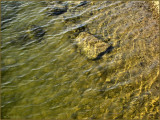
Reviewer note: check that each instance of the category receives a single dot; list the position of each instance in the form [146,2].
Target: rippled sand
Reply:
[48,78]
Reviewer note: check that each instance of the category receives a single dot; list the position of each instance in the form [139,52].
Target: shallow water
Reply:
[46,77]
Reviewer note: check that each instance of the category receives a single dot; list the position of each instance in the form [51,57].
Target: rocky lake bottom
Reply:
[79,60]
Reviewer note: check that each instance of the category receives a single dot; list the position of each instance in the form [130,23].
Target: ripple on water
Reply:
[52,76]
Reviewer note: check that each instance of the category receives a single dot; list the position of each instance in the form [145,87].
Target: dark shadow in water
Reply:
[108,50]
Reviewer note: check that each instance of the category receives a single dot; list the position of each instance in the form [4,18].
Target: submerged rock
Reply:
[57,9]
[33,34]
[90,46]
[37,31]
[82,3]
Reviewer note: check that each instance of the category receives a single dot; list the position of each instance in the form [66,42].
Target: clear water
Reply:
[49,79]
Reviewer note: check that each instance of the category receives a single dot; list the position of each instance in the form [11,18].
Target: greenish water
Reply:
[44,76]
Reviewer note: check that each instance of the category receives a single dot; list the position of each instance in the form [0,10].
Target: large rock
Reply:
[90,46]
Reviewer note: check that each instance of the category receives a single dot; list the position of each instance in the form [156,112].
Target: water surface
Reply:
[44,76]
